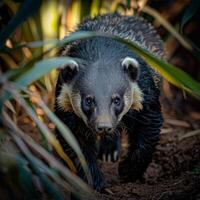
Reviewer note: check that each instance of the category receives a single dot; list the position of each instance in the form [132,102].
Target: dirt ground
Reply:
[174,173]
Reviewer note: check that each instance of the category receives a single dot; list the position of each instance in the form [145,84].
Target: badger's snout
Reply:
[104,127]
[103,124]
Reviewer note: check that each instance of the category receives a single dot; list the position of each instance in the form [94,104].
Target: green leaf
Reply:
[5,95]
[47,133]
[190,11]
[45,162]
[68,136]
[50,188]
[3,137]
[15,73]
[41,68]
[46,183]
[28,8]
[34,44]
[26,179]
[183,41]
[173,74]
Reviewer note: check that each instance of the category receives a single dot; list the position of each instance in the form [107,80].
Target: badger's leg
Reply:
[109,148]
[143,131]
[90,154]
[88,147]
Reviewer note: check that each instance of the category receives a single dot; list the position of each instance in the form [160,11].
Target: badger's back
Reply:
[132,28]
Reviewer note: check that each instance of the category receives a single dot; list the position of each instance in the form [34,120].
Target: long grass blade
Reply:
[69,137]
[27,9]
[41,68]
[190,11]
[76,182]
[173,74]
[45,130]
[168,26]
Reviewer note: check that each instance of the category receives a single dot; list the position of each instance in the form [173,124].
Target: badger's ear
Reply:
[69,71]
[131,67]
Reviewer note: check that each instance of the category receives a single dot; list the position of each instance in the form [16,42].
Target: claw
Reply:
[109,158]
[109,149]
[104,158]
[115,156]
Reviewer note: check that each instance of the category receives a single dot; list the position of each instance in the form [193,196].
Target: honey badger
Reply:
[107,86]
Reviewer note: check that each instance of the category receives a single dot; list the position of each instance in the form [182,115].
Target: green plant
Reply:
[28,74]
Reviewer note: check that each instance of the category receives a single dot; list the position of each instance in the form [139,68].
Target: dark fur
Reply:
[143,127]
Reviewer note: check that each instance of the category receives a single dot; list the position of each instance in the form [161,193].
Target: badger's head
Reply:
[101,89]
[99,94]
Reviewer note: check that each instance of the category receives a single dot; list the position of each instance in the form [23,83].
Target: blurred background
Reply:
[30,32]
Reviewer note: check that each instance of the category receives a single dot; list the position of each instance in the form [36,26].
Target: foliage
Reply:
[28,80]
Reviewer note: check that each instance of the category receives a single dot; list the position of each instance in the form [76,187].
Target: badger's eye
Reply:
[89,100]
[116,101]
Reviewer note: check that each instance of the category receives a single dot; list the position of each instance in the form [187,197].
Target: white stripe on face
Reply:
[132,100]
[70,101]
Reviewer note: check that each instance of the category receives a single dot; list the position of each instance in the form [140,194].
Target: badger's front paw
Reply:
[130,170]
[109,149]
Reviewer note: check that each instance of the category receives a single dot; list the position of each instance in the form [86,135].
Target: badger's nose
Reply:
[103,127]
